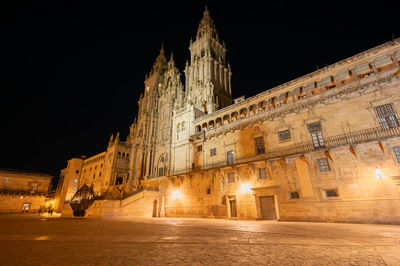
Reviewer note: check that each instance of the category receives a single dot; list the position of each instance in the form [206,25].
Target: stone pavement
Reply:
[34,240]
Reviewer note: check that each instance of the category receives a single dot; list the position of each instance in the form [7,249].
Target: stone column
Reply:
[229,81]
[225,80]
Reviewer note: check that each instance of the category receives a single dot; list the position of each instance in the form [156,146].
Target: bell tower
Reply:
[208,76]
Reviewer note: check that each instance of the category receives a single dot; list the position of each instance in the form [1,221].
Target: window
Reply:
[331,193]
[95,167]
[230,157]
[397,153]
[294,195]
[101,165]
[74,187]
[75,180]
[284,135]
[323,165]
[231,177]
[259,144]
[213,151]
[77,172]
[94,175]
[262,173]
[387,116]
[26,206]
[5,180]
[199,148]
[160,171]
[99,174]
[316,135]
[208,191]
[34,188]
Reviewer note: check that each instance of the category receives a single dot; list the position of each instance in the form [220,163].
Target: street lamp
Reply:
[245,188]
[378,173]
[176,194]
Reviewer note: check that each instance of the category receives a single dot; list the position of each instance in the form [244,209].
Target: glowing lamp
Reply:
[378,173]
[245,188]
[176,194]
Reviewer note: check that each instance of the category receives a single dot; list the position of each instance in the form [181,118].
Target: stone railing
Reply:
[351,138]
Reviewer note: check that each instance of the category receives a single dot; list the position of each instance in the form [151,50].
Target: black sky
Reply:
[73,71]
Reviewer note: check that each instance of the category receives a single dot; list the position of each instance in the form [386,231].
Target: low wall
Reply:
[385,211]
[13,203]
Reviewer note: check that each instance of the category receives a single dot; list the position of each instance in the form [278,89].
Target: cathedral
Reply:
[322,147]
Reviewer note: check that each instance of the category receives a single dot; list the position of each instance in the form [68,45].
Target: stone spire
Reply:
[160,62]
[207,26]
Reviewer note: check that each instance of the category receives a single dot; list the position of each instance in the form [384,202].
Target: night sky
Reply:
[72,72]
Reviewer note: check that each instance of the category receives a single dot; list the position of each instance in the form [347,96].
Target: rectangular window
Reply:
[231,177]
[199,148]
[316,134]
[77,172]
[213,151]
[75,180]
[387,116]
[5,180]
[331,193]
[26,206]
[230,157]
[294,195]
[262,173]
[208,191]
[397,153]
[323,165]
[259,145]
[284,135]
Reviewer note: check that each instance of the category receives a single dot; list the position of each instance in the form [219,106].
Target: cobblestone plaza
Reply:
[34,240]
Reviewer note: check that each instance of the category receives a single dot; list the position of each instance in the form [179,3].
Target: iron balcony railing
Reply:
[351,138]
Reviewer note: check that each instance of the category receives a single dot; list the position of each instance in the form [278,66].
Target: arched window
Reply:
[119,181]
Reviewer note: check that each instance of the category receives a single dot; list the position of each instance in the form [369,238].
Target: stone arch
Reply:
[234,116]
[243,113]
[226,119]
[218,122]
[252,109]
[162,165]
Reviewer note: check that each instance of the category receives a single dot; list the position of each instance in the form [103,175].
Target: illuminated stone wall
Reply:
[18,187]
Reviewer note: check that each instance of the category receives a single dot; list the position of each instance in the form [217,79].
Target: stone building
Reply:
[22,191]
[322,147]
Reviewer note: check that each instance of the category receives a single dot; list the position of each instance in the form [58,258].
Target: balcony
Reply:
[351,138]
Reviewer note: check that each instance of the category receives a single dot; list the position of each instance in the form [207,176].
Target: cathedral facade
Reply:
[323,147]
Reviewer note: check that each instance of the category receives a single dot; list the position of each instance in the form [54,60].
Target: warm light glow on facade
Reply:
[378,173]
[245,188]
[176,194]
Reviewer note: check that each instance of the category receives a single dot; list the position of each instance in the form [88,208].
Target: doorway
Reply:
[155,205]
[267,208]
[233,207]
